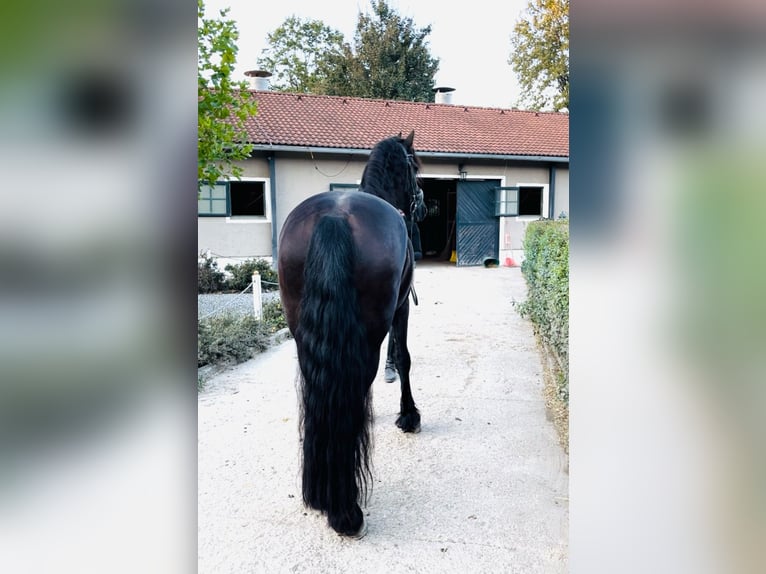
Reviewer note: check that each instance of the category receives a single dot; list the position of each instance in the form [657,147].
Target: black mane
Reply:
[387,174]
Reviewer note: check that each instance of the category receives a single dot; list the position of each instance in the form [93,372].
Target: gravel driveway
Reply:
[483,487]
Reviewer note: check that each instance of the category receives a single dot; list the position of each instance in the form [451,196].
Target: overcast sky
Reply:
[471,39]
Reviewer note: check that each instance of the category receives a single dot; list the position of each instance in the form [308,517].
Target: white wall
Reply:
[239,238]
[300,176]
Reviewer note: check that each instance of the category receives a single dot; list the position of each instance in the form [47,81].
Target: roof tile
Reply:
[306,120]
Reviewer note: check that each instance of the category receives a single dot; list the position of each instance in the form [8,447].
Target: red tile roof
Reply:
[357,123]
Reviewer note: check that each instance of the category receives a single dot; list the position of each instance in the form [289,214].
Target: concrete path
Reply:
[483,487]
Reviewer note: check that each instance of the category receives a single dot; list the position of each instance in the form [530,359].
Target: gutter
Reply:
[552,192]
[423,154]
[273,194]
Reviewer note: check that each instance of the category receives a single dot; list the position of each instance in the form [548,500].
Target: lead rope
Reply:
[415,195]
[412,292]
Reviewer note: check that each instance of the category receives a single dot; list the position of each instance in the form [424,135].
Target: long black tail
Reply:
[336,410]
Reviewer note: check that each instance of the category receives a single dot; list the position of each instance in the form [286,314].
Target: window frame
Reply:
[239,217]
[210,199]
[242,218]
[501,191]
[344,187]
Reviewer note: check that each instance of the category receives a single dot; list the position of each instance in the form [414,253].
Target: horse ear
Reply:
[400,135]
[410,138]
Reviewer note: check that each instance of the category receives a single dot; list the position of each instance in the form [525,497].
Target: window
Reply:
[507,201]
[212,200]
[531,201]
[247,198]
[344,187]
[521,200]
[233,198]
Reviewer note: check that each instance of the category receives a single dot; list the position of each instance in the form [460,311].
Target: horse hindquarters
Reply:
[333,356]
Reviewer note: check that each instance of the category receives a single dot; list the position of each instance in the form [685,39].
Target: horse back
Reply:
[383,254]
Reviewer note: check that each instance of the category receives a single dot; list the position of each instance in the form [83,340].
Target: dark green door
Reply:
[477,227]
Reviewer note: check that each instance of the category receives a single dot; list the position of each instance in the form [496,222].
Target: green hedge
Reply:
[546,270]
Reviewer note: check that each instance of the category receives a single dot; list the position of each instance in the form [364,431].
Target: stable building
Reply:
[486,172]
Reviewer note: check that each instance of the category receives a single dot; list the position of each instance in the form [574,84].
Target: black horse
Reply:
[345,271]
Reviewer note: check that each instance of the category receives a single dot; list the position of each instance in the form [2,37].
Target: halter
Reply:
[417,193]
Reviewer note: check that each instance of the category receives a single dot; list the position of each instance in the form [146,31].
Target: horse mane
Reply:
[386,173]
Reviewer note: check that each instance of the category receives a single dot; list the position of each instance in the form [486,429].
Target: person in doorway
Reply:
[414,233]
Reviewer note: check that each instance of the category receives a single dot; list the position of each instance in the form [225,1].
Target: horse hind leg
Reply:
[409,416]
[390,373]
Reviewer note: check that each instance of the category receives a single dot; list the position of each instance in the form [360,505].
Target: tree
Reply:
[223,105]
[390,60]
[540,54]
[296,52]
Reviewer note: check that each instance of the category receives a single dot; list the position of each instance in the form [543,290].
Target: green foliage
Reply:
[274,316]
[229,338]
[210,279]
[390,58]
[540,54]
[297,52]
[242,274]
[546,270]
[223,105]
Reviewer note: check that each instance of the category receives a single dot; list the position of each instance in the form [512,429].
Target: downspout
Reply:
[551,191]
[273,194]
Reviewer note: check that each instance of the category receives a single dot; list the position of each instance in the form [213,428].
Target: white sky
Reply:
[471,39]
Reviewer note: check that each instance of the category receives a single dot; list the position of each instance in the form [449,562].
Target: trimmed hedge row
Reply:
[546,270]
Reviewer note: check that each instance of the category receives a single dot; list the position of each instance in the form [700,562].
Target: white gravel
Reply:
[483,487]
[209,304]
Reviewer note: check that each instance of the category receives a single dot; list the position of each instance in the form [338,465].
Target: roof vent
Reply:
[443,94]
[259,79]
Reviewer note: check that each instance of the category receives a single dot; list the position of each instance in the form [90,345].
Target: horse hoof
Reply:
[349,524]
[391,375]
[409,423]
[359,534]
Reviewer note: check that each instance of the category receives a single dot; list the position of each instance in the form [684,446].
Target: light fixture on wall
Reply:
[462,172]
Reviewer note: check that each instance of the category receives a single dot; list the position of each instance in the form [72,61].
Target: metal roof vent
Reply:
[443,94]
[259,79]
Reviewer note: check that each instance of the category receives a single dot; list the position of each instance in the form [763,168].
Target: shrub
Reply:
[209,278]
[546,270]
[242,274]
[229,338]
[274,316]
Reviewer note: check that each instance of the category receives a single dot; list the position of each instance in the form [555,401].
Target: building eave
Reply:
[422,154]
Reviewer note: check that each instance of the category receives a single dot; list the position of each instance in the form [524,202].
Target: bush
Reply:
[209,278]
[229,338]
[546,270]
[242,274]
[274,316]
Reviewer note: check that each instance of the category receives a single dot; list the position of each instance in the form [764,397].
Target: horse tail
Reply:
[333,353]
